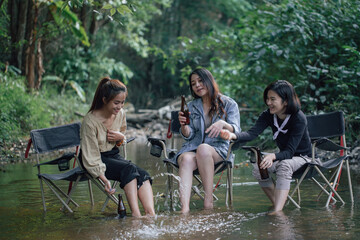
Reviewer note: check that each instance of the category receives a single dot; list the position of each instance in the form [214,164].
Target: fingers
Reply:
[266,163]
[182,119]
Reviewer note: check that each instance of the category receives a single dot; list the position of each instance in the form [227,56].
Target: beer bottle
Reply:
[185,110]
[121,207]
[263,171]
[258,158]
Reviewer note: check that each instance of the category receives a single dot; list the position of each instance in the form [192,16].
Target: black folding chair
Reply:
[327,133]
[52,140]
[159,148]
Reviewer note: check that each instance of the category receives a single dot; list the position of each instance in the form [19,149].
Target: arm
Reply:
[91,156]
[232,122]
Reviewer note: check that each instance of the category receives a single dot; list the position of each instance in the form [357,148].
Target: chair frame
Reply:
[329,145]
[227,165]
[48,179]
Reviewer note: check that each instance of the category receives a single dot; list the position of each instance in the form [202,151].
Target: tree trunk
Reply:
[30,51]
[21,30]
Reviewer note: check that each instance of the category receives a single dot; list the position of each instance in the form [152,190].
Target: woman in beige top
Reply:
[102,128]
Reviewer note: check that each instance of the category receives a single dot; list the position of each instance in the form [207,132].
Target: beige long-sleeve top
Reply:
[93,141]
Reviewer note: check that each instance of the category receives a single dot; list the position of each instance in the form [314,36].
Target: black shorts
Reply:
[122,170]
[119,169]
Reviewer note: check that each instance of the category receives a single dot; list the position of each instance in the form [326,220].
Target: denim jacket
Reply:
[197,134]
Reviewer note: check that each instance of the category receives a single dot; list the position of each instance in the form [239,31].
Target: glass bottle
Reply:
[263,171]
[121,207]
[185,110]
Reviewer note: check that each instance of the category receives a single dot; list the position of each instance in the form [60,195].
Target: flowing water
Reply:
[22,216]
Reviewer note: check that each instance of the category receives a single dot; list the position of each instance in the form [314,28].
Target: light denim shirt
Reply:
[197,134]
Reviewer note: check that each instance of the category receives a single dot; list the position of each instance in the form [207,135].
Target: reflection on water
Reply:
[22,216]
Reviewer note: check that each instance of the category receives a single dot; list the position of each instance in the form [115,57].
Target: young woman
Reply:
[102,128]
[210,112]
[291,135]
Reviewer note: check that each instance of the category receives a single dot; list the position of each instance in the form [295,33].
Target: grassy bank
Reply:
[22,111]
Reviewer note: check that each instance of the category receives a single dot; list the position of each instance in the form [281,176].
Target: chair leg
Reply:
[42,194]
[229,187]
[91,193]
[325,186]
[58,196]
[101,187]
[297,187]
[323,190]
[330,186]
[72,190]
[169,192]
[349,181]
[107,198]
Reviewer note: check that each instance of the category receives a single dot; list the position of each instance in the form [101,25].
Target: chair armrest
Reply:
[254,150]
[62,162]
[327,144]
[157,147]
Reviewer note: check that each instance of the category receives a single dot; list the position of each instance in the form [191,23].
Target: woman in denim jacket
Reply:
[210,112]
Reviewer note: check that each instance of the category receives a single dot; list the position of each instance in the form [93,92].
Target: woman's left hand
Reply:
[215,128]
[267,161]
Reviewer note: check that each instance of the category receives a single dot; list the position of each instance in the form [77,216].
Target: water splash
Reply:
[195,225]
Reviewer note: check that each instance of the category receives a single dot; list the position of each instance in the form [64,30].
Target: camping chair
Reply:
[327,133]
[323,130]
[55,139]
[159,148]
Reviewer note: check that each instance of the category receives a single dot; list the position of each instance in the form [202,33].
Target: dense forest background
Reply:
[53,53]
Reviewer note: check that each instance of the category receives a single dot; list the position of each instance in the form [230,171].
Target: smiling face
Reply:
[116,104]
[198,86]
[275,103]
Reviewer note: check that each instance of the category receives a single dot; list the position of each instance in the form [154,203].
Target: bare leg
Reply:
[270,193]
[187,164]
[280,199]
[132,197]
[147,198]
[206,157]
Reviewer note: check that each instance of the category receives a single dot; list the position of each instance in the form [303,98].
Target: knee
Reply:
[203,152]
[284,170]
[186,161]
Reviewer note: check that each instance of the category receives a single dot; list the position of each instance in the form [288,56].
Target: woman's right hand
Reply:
[107,183]
[182,118]
[184,128]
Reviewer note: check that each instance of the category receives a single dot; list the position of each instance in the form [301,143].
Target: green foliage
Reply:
[20,111]
[63,16]
[314,45]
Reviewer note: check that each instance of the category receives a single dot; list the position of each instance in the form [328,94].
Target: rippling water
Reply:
[22,217]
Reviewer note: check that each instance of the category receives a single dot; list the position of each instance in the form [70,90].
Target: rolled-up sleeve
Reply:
[91,157]
[233,116]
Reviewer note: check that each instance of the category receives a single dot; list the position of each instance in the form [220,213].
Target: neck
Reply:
[281,116]
[103,114]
